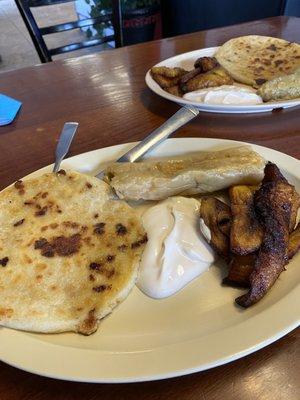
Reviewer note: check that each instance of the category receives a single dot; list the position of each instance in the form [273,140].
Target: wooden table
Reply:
[107,95]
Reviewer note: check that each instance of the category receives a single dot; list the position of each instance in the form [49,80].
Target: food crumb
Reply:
[4,261]
[20,222]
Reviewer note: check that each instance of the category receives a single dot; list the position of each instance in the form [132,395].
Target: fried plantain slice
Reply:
[246,231]
[175,90]
[168,72]
[273,202]
[294,213]
[294,242]
[202,65]
[206,63]
[217,217]
[167,77]
[189,75]
[215,77]
[164,82]
[240,269]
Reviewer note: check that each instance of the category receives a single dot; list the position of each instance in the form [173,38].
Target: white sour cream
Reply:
[225,94]
[176,252]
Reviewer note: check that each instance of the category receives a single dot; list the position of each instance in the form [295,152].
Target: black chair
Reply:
[36,33]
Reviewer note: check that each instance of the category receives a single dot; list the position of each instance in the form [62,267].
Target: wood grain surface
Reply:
[107,95]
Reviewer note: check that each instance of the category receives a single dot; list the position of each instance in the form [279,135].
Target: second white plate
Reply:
[186,61]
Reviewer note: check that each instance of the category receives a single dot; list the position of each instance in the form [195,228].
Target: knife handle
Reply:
[180,118]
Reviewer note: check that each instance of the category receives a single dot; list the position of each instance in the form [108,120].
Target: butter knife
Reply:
[180,118]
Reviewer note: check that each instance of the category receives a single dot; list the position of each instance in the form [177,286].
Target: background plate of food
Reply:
[54,225]
[246,75]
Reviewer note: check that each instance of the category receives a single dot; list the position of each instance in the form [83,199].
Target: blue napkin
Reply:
[8,109]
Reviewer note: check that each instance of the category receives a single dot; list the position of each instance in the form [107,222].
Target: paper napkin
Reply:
[8,109]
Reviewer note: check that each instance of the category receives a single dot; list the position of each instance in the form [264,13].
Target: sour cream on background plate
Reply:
[225,94]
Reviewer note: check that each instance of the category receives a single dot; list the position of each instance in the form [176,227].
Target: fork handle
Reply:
[64,143]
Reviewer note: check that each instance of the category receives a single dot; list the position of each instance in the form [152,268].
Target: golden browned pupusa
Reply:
[69,253]
[256,59]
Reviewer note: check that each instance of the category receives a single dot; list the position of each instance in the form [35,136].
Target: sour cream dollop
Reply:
[176,251]
[225,94]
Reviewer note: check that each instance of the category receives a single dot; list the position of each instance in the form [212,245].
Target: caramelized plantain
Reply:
[294,212]
[189,75]
[168,72]
[240,268]
[213,78]
[175,90]
[294,242]
[206,63]
[202,65]
[217,217]
[273,202]
[167,77]
[246,232]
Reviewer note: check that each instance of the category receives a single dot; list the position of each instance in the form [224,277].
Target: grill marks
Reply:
[41,204]
[62,246]
[99,228]
[101,288]
[102,269]
[105,267]
[67,245]
[138,243]
[121,230]
[70,224]
[95,266]
[41,212]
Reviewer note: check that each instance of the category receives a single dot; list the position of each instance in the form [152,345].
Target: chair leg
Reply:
[117,22]
[34,31]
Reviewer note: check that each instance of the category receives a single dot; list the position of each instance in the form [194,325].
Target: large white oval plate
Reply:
[146,339]
[186,60]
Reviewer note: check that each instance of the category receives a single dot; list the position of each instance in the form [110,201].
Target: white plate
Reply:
[186,61]
[145,339]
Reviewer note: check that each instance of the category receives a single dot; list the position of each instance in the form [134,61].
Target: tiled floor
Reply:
[16,48]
